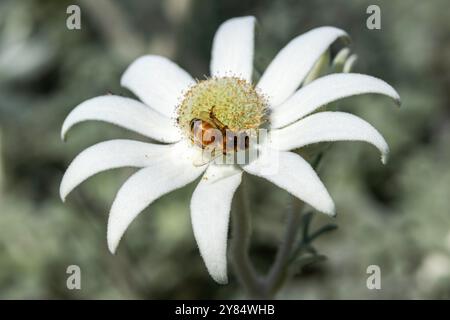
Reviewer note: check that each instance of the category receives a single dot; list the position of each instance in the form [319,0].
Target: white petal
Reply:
[171,171]
[125,112]
[210,214]
[158,82]
[232,50]
[108,155]
[296,176]
[325,90]
[293,63]
[328,126]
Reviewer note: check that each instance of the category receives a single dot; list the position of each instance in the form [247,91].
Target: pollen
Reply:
[235,102]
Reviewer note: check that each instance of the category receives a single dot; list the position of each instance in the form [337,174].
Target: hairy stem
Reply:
[278,271]
[240,243]
[256,286]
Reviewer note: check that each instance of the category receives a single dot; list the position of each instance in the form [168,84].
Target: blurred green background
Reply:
[395,216]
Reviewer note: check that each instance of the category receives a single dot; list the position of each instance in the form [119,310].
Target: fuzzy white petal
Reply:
[108,155]
[232,50]
[158,82]
[325,90]
[171,171]
[210,214]
[292,64]
[125,112]
[328,126]
[296,176]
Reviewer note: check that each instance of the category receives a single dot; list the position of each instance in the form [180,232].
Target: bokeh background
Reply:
[395,216]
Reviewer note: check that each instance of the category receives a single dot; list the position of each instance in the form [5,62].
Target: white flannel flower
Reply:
[171,99]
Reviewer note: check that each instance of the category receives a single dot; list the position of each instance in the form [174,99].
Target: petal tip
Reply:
[328,208]
[124,78]
[113,234]
[112,245]
[243,18]
[128,74]
[64,130]
[111,237]
[220,279]
[332,212]
[112,250]
[252,19]
[342,33]
[62,193]
[384,158]
[385,155]
[394,95]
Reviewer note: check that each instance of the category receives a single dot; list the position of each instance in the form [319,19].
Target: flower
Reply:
[172,99]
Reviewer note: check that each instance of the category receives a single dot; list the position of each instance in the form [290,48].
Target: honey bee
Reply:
[208,132]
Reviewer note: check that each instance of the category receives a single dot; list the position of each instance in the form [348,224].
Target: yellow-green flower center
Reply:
[234,102]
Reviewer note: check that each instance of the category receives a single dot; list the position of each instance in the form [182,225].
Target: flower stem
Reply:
[258,287]
[255,285]
[240,243]
[278,272]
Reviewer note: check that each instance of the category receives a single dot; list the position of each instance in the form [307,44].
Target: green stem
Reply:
[278,272]
[261,287]
[240,243]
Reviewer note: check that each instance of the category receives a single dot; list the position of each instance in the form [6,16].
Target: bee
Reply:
[209,133]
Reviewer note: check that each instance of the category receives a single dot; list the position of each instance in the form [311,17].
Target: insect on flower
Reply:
[208,132]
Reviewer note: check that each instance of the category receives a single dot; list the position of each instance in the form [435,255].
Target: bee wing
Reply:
[209,154]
